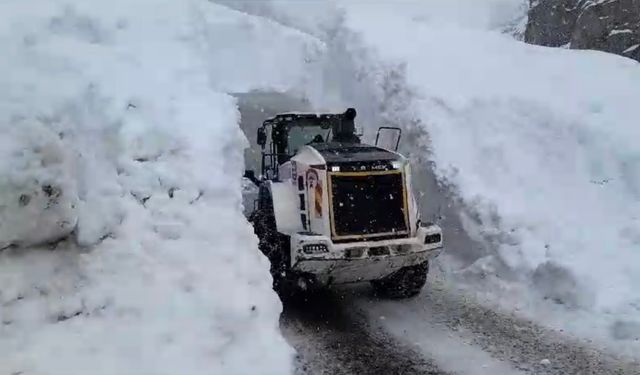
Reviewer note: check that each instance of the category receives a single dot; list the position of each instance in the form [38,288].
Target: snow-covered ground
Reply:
[124,245]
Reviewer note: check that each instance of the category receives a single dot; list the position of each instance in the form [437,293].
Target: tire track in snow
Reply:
[332,339]
[519,345]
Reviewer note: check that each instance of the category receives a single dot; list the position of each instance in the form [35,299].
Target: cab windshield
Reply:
[300,136]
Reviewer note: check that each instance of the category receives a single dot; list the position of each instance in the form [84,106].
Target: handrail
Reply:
[390,128]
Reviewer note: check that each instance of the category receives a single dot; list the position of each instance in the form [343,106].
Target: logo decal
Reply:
[315,189]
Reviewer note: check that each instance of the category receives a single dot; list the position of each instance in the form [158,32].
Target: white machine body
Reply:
[350,214]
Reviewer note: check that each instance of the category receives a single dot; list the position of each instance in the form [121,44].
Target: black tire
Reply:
[407,282]
[272,244]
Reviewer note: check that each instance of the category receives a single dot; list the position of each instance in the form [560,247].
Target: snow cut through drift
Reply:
[125,247]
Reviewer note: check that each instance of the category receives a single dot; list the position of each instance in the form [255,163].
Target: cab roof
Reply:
[336,152]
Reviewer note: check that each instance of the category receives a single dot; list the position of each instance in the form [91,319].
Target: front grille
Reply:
[368,205]
[365,166]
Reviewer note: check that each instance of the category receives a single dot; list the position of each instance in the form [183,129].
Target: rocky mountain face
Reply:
[606,25]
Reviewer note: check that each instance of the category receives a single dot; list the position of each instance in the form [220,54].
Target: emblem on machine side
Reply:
[315,188]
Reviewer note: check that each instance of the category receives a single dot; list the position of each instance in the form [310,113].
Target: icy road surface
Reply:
[350,331]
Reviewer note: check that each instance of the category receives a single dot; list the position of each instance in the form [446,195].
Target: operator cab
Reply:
[332,135]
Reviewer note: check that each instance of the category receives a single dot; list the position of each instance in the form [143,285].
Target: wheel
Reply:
[404,283]
[273,244]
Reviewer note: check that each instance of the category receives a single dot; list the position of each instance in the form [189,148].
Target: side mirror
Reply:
[251,176]
[262,137]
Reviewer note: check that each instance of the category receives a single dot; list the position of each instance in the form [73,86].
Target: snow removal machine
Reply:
[332,210]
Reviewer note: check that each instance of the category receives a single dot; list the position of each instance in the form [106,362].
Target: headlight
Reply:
[433,238]
[315,248]
[356,252]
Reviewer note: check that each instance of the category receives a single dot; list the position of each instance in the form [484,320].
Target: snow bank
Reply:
[37,194]
[120,162]
[541,143]
[317,18]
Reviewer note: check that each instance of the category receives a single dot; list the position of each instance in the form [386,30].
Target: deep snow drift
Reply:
[124,245]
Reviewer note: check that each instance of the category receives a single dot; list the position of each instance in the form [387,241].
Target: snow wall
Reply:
[124,247]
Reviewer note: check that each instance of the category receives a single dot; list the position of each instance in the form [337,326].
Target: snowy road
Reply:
[350,331]
[333,337]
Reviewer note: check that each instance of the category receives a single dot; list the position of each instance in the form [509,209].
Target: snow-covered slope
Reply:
[120,148]
[540,143]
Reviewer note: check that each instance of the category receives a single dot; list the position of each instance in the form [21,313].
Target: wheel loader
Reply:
[333,210]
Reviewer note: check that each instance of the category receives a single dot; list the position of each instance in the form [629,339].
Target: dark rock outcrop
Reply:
[551,22]
[606,25]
